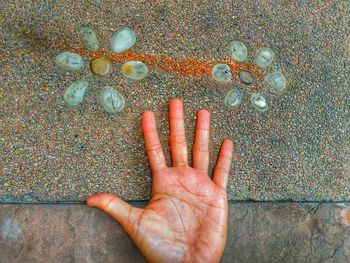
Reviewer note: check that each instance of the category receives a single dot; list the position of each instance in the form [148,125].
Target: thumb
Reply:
[125,214]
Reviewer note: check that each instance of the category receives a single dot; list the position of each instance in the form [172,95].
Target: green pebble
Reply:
[264,57]
[259,102]
[221,73]
[276,80]
[69,61]
[238,50]
[88,37]
[75,93]
[233,99]
[112,101]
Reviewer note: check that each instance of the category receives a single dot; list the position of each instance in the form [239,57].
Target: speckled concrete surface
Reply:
[298,150]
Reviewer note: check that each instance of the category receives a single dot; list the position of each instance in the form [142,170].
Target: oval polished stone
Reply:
[276,80]
[69,61]
[112,101]
[221,73]
[264,57]
[238,50]
[75,93]
[247,77]
[233,98]
[259,102]
[136,70]
[88,37]
[123,40]
[101,66]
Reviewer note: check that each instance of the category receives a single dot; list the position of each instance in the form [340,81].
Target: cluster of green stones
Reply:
[111,100]
[263,58]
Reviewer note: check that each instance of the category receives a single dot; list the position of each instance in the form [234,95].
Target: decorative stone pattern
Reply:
[125,38]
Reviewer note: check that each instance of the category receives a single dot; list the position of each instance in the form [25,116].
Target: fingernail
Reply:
[90,202]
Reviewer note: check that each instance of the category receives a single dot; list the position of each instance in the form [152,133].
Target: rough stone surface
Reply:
[264,57]
[123,40]
[88,37]
[101,66]
[259,102]
[238,50]
[247,77]
[221,73]
[257,232]
[276,80]
[74,95]
[297,150]
[69,61]
[136,70]
[111,100]
[233,98]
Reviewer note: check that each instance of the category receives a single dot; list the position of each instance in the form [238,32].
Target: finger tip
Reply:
[91,201]
[95,199]
[228,144]
[228,141]
[147,114]
[176,109]
[204,113]
[175,103]
[148,121]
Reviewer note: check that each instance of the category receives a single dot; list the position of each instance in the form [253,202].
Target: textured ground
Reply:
[298,150]
[311,233]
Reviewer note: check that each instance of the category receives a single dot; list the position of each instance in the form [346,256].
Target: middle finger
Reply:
[177,139]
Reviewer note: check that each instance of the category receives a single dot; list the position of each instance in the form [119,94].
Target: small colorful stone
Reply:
[276,80]
[123,40]
[233,98]
[259,102]
[239,51]
[88,37]
[136,70]
[221,73]
[247,77]
[75,93]
[101,66]
[112,101]
[69,61]
[264,57]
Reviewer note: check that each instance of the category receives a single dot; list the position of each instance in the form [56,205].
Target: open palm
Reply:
[186,218]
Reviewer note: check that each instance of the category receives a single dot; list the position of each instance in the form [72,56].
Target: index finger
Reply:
[153,147]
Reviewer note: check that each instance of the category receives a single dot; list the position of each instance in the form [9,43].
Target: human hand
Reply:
[186,218]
